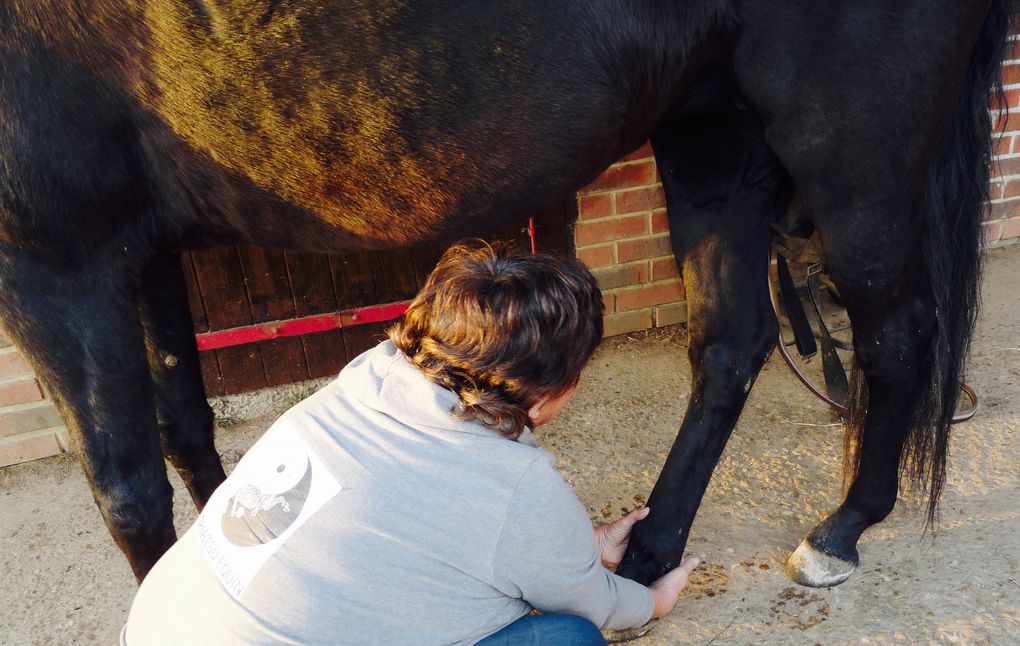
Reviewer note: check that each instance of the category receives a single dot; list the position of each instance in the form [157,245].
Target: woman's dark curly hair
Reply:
[502,330]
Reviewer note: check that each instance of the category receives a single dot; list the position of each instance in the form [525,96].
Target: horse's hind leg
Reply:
[722,184]
[875,260]
[184,416]
[894,180]
[886,293]
[79,326]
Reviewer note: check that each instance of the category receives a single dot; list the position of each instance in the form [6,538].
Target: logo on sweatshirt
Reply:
[276,488]
[264,507]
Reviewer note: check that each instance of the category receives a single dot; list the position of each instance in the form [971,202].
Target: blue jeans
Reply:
[551,630]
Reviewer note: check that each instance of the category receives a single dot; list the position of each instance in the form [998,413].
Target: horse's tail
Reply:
[954,200]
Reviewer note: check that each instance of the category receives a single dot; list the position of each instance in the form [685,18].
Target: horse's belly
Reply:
[391,131]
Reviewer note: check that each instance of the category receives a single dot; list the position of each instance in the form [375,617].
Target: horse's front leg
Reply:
[184,416]
[79,326]
[721,183]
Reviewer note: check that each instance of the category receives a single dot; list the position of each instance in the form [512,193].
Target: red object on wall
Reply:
[299,326]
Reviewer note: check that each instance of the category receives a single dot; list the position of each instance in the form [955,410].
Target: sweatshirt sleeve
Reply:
[546,554]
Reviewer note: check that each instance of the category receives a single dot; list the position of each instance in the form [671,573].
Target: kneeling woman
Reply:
[407,502]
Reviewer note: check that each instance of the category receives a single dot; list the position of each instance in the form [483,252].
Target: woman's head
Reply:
[502,330]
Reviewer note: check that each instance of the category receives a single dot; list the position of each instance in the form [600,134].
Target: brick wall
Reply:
[623,236]
[30,426]
[1002,223]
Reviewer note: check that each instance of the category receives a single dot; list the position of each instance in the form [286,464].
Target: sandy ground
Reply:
[64,582]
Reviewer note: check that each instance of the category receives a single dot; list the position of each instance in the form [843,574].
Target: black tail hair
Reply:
[955,198]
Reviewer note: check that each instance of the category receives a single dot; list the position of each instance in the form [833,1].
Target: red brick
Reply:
[1003,210]
[624,322]
[1010,229]
[992,231]
[28,417]
[654,294]
[642,199]
[617,276]
[652,247]
[997,115]
[590,207]
[19,391]
[644,151]
[609,302]
[28,446]
[1010,188]
[1013,98]
[1002,145]
[1006,167]
[593,257]
[670,314]
[13,364]
[660,221]
[995,189]
[1011,74]
[663,268]
[64,439]
[617,177]
[589,233]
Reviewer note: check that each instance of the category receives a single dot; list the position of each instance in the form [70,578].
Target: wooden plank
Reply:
[354,279]
[394,274]
[312,285]
[284,361]
[195,304]
[425,260]
[241,368]
[271,298]
[325,353]
[211,377]
[364,337]
[267,284]
[221,282]
[551,229]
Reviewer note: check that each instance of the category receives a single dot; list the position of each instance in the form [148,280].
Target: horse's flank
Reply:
[394,125]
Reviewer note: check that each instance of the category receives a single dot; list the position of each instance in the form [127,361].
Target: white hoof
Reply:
[808,566]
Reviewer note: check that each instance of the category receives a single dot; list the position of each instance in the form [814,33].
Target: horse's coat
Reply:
[130,130]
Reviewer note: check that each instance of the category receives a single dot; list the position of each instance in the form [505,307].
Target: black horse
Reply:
[132,129]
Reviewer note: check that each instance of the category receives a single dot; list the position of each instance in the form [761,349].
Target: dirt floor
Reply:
[64,582]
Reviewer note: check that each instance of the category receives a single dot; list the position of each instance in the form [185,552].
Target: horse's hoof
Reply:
[814,568]
[627,634]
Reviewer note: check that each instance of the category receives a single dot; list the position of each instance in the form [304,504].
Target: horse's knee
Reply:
[143,547]
[140,519]
[139,515]
[735,357]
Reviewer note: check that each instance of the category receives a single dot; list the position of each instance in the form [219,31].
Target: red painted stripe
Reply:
[299,326]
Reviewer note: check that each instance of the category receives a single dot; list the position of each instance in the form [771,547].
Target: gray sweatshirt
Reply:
[367,514]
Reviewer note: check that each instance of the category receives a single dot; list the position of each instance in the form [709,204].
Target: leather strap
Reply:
[802,334]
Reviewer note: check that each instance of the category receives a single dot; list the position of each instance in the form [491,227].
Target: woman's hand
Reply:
[668,588]
[612,538]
